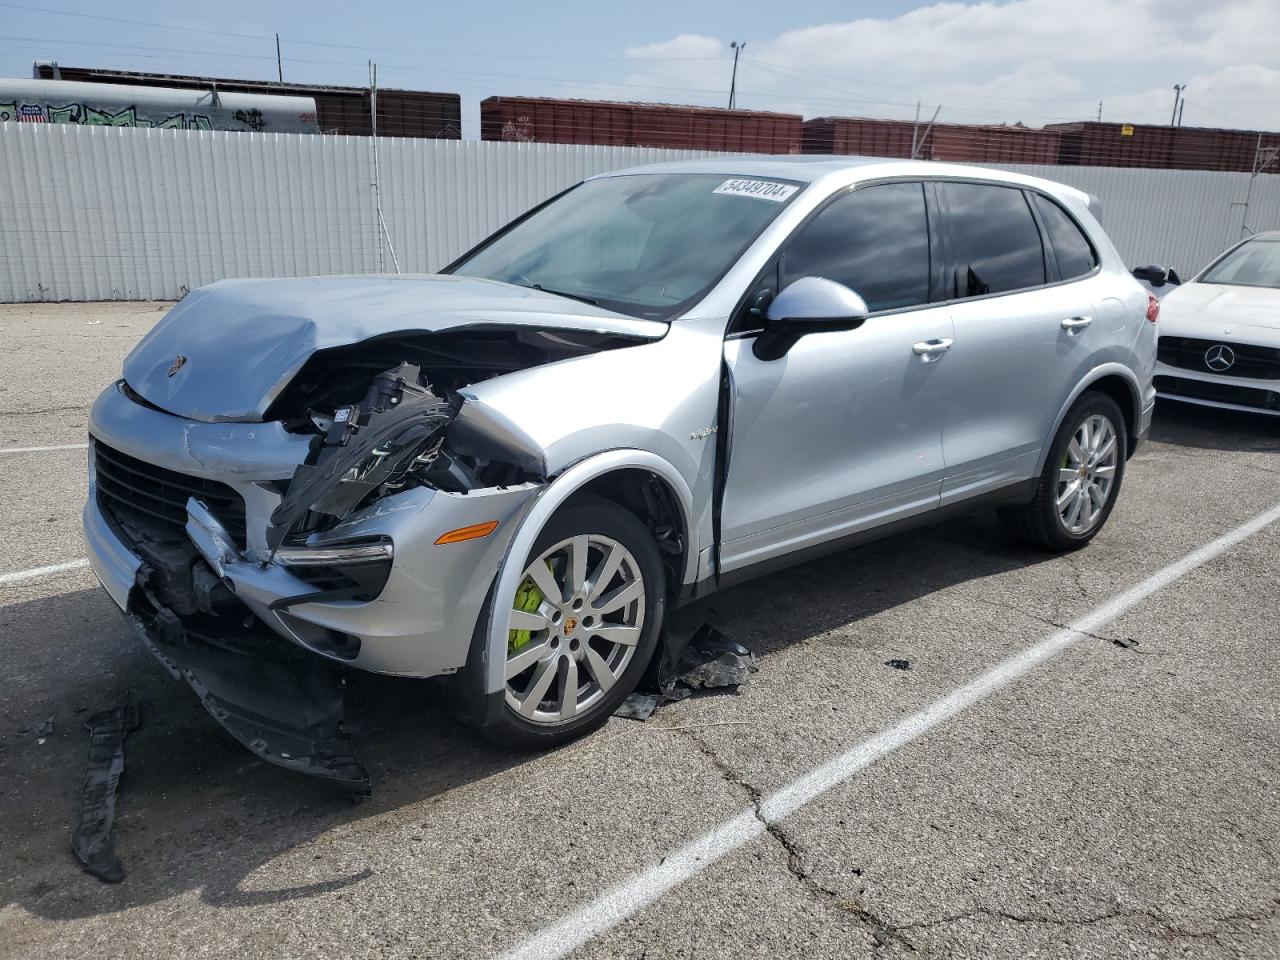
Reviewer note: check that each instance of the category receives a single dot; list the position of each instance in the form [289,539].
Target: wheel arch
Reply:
[609,474]
[1115,381]
[652,499]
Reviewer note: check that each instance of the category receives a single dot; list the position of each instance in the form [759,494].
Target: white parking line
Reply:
[35,573]
[636,892]
[56,446]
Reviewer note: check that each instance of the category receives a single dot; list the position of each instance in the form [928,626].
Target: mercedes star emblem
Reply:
[179,361]
[1219,358]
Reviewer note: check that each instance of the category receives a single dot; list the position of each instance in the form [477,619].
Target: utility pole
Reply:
[915,148]
[733,81]
[279,68]
[1263,159]
[1099,111]
[377,172]
[1177,95]
[1182,106]
[915,129]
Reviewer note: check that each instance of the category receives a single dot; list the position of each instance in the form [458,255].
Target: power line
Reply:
[133,23]
[783,96]
[950,92]
[267,38]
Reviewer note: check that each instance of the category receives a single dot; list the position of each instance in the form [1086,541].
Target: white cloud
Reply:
[1032,60]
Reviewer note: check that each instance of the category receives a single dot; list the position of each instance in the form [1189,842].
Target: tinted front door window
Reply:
[874,240]
[995,241]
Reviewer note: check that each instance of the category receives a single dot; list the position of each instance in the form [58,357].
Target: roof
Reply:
[810,168]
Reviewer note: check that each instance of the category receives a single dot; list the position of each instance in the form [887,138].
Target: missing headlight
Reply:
[395,430]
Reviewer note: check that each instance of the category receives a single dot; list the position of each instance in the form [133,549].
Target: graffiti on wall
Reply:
[87,115]
[520,130]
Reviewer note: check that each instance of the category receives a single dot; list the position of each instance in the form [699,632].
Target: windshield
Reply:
[646,245]
[1253,264]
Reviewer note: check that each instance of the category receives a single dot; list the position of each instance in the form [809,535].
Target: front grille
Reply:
[127,485]
[1260,363]
[1218,392]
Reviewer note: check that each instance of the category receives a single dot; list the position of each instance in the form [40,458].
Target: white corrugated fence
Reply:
[102,213]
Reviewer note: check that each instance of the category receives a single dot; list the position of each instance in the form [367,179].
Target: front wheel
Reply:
[583,625]
[1081,478]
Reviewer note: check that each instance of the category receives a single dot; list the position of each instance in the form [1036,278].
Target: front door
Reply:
[844,432]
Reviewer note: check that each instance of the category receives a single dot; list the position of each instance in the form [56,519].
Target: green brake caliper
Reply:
[528,599]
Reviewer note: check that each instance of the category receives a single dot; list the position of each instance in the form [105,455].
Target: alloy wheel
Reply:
[1087,474]
[573,628]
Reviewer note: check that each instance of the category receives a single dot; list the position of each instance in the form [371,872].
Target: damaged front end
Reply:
[357,524]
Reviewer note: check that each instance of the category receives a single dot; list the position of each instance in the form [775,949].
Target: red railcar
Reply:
[959,143]
[1151,145]
[547,120]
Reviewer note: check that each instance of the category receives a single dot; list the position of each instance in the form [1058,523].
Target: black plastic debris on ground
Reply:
[710,661]
[898,664]
[93,841]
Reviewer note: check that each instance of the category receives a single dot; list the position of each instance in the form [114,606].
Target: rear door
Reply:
[1023,334]
[845,431]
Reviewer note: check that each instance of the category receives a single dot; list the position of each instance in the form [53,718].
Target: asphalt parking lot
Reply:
[1120,799]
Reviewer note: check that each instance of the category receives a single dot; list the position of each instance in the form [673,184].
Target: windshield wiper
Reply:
[562,293]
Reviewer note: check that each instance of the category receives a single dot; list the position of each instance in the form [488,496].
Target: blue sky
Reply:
[1020,60]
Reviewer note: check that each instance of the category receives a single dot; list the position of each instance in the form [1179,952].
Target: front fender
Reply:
[493,631]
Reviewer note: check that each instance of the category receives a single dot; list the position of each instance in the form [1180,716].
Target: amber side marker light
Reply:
[473,532]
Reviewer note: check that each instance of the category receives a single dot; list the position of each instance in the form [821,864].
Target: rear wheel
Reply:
[1081,478]
[582,626]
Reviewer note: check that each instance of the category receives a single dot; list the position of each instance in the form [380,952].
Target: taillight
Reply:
[1153,308]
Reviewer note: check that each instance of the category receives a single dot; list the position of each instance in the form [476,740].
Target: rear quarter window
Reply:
[1075,254]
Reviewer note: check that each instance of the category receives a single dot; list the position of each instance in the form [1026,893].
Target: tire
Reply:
[1042,521]
[575,643]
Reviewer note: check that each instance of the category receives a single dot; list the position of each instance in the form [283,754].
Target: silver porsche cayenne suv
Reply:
[660,382]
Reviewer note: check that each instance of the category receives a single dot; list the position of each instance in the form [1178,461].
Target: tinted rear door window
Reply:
[874,240]
[1071,247]
[995,241]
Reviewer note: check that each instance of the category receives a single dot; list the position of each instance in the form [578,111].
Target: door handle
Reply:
[931,350]
[1073,324]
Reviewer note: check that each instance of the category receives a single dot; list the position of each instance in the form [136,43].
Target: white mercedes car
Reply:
[1220,333]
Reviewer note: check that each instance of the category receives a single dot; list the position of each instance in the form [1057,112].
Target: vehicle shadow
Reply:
[198,813]
[1208,428]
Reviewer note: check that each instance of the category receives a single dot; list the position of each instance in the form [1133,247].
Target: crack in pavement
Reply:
[1124,643]
[1070,560]
[1165,927]
[881,930]
[78,407]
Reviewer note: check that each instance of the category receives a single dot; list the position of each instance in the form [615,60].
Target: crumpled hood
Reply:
[242,341]
[1208,309]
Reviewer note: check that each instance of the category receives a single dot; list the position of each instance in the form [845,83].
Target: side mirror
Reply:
[808,305]
[1155,275]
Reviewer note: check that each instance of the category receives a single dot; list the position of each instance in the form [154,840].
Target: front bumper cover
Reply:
[1205,389]
[285,705]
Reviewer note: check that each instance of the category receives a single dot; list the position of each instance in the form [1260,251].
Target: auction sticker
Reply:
[760,189]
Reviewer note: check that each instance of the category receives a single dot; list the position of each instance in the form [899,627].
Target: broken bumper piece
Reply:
[283,704]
